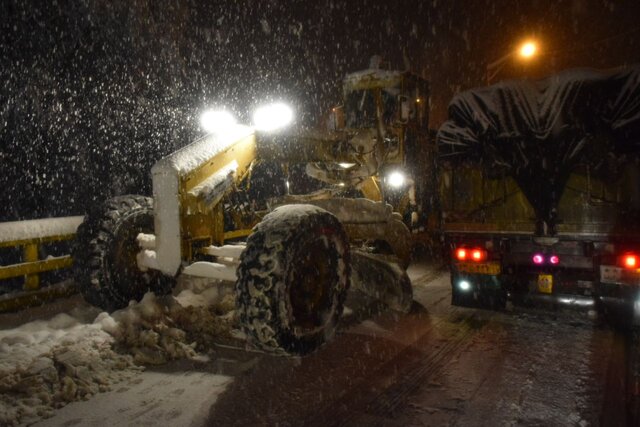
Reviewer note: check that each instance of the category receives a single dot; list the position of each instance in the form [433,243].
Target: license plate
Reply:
[545,283]
[609,274]
[479,268]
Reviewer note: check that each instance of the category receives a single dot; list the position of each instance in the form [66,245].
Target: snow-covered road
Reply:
[437,365]
[442,365]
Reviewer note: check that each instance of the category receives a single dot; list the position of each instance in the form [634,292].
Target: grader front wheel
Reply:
[105,267]
[292,280]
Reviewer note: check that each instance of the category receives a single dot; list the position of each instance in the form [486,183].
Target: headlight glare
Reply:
[272,117]
[212,121]
[396,179]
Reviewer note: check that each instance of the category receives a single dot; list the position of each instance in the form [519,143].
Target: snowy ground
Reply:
[75,353]
[438,365]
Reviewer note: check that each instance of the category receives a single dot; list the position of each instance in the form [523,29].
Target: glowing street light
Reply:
[526,51]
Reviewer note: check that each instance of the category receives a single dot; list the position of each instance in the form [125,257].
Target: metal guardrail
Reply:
[29,236]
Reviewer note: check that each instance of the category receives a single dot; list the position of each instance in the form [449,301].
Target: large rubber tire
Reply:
[292,280]
[105,267]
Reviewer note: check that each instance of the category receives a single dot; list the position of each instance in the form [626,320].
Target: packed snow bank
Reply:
[46,364]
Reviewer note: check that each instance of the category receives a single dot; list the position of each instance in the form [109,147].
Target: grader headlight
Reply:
[396,179]
[345,165]
[216,121]
[272,117]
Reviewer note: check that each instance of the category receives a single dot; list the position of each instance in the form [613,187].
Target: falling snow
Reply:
[95,92]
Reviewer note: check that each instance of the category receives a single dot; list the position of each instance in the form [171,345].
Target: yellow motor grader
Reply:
[291,257]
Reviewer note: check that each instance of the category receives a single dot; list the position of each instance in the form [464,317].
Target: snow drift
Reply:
[46,364]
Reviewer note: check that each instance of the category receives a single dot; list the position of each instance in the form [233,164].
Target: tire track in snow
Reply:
[386,403]
[402,375]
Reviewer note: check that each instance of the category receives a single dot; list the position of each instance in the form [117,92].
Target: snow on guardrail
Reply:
[28,236]
[38,228]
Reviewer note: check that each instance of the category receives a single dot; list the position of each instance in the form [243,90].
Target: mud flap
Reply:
[382,279]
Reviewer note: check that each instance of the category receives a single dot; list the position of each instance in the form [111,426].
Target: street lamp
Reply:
[525,51]
[528,50]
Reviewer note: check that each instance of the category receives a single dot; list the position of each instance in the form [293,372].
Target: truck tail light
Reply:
[471,254]
[554,259]
[537,259]
[461,254]
[478,255]
[630,261]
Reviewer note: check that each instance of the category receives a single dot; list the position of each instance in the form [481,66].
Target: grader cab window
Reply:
[360,108]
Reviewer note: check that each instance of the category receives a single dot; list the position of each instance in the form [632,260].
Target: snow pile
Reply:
[146,331]
[158,330]
[46,364]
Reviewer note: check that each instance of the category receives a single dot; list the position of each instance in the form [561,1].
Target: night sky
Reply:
[94,92]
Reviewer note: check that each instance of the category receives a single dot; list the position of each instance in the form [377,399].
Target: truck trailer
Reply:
[539,192]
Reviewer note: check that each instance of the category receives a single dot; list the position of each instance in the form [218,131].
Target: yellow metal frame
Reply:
[235,234]
[371,189]
[32,265]
[31,268]
[202,224]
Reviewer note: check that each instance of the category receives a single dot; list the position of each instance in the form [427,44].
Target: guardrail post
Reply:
[28,237]
[30,254]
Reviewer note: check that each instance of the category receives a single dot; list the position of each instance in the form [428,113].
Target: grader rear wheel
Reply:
[105,267]
[292,280]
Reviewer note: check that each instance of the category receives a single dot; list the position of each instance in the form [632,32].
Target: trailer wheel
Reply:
[292,280]
[105,266]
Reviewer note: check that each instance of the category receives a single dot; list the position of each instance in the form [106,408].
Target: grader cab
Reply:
[292,257]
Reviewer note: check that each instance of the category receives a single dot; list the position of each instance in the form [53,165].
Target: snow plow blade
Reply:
[382,279]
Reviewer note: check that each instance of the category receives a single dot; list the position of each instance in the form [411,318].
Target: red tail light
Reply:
[471,254]
[538,259]
[630,261]
[478,255]
[554,259]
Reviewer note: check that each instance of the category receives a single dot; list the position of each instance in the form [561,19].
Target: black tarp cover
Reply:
[538,132]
